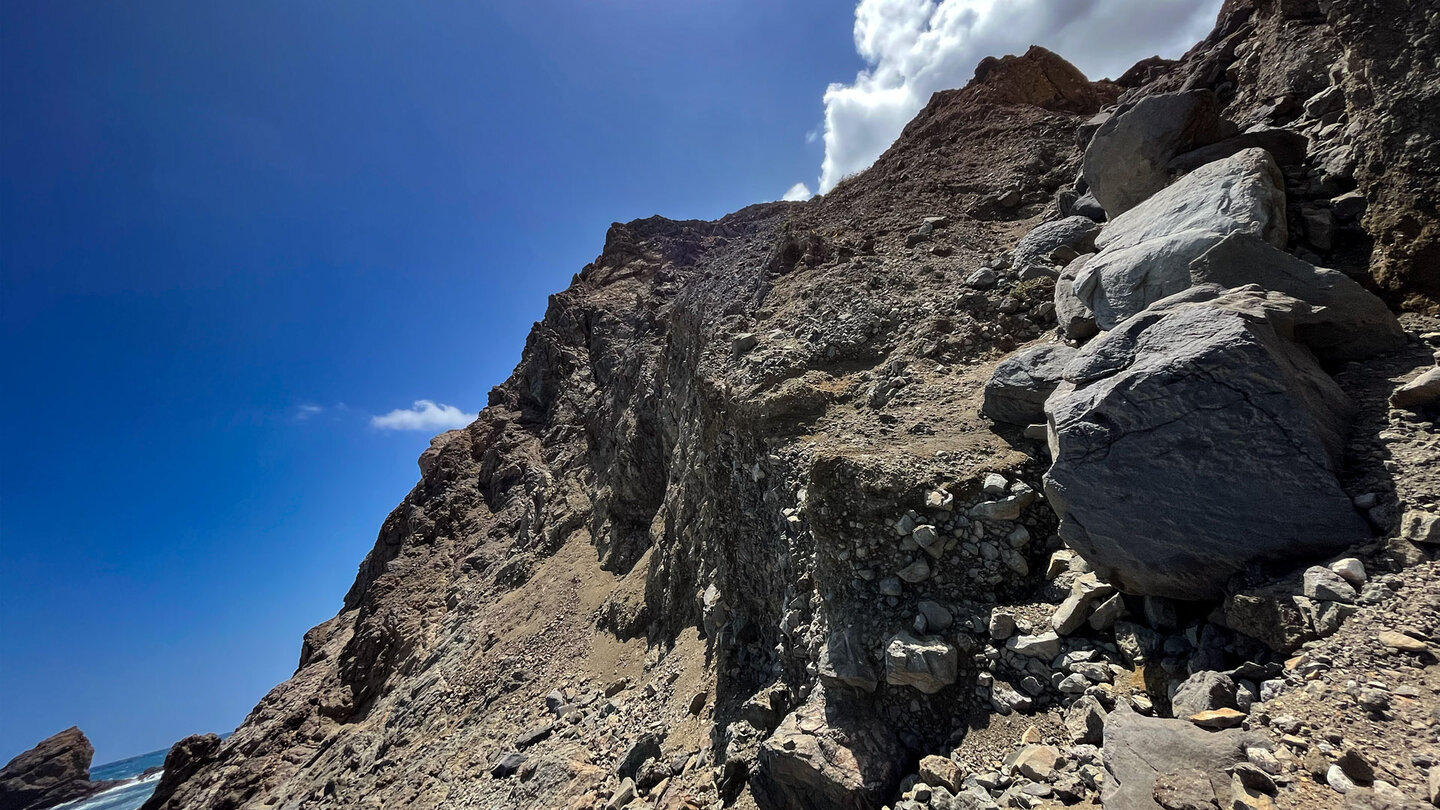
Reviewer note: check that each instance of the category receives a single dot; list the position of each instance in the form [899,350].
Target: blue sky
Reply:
[234,234]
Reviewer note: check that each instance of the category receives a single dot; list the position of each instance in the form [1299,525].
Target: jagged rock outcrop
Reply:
[55,771]
[184,760]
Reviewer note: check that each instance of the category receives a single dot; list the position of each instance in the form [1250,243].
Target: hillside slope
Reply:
[735,531]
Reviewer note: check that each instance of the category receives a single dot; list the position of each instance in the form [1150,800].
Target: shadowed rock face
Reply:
[53,772]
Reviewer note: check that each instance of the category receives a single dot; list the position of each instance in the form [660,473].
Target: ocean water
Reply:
[128,796]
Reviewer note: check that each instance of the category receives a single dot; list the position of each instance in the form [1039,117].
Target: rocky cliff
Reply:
[55,771]
[1013,471]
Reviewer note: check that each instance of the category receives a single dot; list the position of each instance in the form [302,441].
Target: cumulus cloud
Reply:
[425,415]
[916,47]
[799,191]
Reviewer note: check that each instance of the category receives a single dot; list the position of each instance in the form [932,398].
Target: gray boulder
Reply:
[1244,192]
[1194,440]
[1076,319]
[823,757]
[1141,751]
[1126,159]
[1145,254]
[1344,321]
[1075,232]
[929,664]
[1203,692]
[1017,391]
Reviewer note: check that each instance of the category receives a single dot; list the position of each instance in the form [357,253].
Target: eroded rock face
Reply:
[1195,440]
[55,771]
[1126,160]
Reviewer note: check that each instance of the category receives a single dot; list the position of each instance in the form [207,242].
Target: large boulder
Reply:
[1343,322]
[55,771]
[1017,391]
[1196,439]
[1146,253]
[1076,232]
[826,756]
[1243,192]
[1126,159]
[1146,753]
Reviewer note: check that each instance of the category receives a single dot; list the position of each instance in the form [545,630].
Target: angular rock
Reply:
[1194,441]
[822,757]
[917,571]
[1002,624]
[1351,570]
[1218,718]
[1402,642]
[508,764]
[1085,720]
[1074,316]
[1343,321]
[1421,392]
[846,662]
[937,616]
[1203,692]
[56,770]
[1126,159]
[1017,390]
[1036,762]
[1044,645]
[941,772]
[1106,613]
[1322,583]
[1145,255]
[929,664]
[1036,247]
[1420,527]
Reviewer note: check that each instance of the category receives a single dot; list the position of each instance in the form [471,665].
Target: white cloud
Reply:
[304,412]
[916,47]
[799,191]
[425,415]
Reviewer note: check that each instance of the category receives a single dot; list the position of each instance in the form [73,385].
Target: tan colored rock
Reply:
[1402,642]
[1218,718]
[941,772]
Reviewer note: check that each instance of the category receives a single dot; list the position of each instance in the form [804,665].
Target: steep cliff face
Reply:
[696,544]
